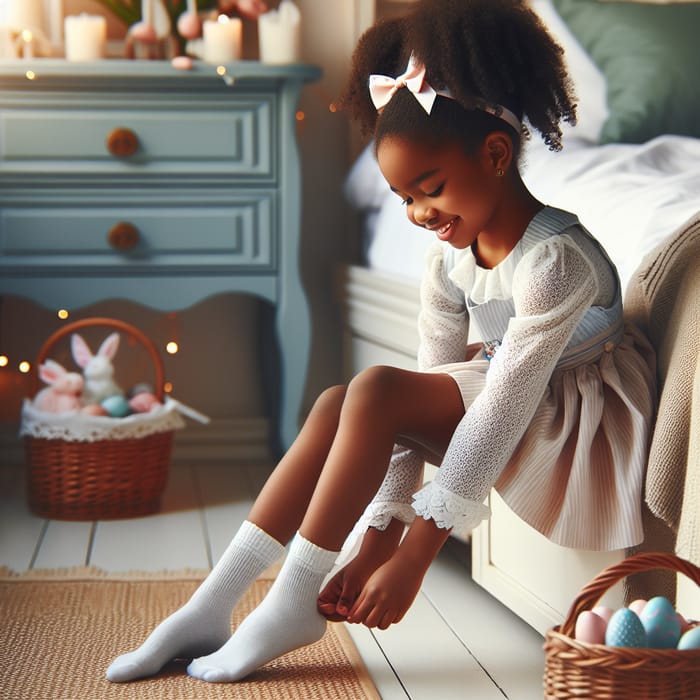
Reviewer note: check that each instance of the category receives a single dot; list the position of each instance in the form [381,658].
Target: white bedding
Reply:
[630,196]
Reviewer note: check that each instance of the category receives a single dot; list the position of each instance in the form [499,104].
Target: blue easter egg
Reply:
[117,406]
[690,640]
[625,630]
[661,624]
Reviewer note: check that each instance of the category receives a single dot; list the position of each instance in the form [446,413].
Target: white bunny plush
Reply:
[63,392]
[97,369]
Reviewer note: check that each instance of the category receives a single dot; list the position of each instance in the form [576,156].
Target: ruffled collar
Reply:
[481,284]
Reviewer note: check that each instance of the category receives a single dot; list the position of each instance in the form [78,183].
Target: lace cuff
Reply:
[378,515]
[448,510]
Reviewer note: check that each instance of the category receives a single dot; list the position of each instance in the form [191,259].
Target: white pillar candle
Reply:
[55,22]
[279,34]
[222,39]
[27,44]
[86,37]
[26,14]
[147,11]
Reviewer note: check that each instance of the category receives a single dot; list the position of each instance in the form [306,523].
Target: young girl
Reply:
[553,408]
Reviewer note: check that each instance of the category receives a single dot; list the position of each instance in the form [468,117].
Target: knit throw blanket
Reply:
[663,300]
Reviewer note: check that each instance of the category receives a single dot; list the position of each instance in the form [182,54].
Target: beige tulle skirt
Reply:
[577,474]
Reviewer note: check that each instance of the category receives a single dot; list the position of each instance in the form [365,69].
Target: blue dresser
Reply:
[131,180]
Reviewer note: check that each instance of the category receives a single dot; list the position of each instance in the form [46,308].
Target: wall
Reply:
[218,367]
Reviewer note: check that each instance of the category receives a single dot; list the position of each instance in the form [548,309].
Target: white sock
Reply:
[203,624]
[285,620]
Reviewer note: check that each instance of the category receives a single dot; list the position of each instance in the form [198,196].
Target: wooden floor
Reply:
[455,642]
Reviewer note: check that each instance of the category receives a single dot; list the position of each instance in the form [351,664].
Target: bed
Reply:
[631,170]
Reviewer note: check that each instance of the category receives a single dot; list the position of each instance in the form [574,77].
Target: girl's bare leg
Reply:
[381,405]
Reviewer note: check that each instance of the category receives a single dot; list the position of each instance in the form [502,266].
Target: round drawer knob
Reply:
[123,236]
[122,142]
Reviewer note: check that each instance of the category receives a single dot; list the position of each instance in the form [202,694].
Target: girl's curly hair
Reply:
[493,52]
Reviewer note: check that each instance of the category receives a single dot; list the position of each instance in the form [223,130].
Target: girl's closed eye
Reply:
[437,192]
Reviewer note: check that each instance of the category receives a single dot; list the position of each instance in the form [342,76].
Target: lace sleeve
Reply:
[443,322]
[553,286]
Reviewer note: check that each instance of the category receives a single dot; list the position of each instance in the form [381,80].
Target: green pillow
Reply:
[650,57]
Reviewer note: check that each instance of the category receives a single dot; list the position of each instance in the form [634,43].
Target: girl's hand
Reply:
[387,595]
[390,590]
[339,595]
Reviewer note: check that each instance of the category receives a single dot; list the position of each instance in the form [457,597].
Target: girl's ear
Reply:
[498,148]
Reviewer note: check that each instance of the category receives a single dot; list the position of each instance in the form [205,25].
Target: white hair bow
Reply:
[382,87]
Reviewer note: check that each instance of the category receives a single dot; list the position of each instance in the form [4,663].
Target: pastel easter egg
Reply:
[636,606]
[590,628]
[685,625]
[625,629]
[182,63]
[690,640]
[93,409]
[117,406]
[603,611]
[661,624]
[143,402]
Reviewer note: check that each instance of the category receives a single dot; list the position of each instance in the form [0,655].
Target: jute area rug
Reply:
[59,630]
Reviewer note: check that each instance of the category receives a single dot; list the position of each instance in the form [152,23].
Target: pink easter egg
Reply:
[182,63]
[143,402]
[590,628]
[685,625]
[636,606]
[604,611]
[94,409]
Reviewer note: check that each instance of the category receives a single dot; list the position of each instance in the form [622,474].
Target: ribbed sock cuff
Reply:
[312,556]
[256,540]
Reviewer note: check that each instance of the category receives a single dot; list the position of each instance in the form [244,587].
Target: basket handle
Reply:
[111,323]
[593,592]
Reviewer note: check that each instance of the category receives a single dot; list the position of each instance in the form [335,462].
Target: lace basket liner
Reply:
[74,426]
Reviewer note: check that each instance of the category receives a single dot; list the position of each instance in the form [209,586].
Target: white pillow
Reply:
[589,82]
[365,186]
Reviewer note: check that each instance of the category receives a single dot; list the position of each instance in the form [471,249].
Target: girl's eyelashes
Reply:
[407,201]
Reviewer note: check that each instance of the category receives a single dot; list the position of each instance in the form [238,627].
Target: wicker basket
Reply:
[107,478]
[579,670]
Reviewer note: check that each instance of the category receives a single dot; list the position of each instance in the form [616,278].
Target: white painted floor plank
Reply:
[431,661]
[385,680]
[172,539]
[509,649]
[20,530]
[64,544]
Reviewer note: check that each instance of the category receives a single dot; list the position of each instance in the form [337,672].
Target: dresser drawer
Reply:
[236,140]
[232,235]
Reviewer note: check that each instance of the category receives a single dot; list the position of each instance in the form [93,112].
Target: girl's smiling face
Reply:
[445,190]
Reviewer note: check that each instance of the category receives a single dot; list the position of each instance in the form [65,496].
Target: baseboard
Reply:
[222,440]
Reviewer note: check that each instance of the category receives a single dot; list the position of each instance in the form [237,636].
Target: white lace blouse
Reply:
[552,294]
